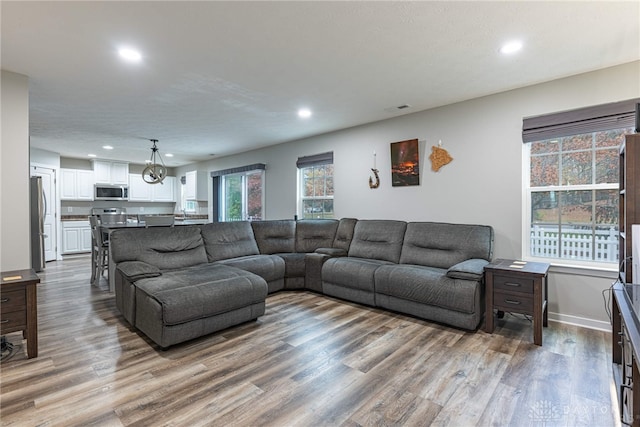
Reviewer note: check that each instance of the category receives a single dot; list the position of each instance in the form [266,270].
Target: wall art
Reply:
[405,163]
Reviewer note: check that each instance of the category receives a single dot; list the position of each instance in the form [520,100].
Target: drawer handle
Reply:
[4,321]
[515,285]
[510,301]
[4,299]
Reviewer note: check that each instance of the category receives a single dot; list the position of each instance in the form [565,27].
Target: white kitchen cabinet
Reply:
[76,237]
[107,172]
[196,185]
[140,191]
[164,192]
[76,184]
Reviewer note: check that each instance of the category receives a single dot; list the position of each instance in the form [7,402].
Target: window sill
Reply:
[609,271]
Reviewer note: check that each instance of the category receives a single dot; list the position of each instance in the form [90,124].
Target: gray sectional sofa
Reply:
[179,283]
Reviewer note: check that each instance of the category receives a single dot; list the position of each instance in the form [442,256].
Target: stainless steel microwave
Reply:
[110,192]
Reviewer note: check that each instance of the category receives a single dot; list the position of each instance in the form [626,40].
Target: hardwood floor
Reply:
[310,360]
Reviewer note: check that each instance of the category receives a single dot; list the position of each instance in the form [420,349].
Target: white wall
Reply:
[14,173]
[44,158]
[482,185]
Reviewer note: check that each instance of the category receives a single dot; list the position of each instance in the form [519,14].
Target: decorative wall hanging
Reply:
[375,173]
[405,163]
[439,157]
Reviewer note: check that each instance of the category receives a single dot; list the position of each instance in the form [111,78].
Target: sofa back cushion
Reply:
[378,239]
[442,245]
[344,234]
[224,240]
[165,247]
[312,234]
[277,236]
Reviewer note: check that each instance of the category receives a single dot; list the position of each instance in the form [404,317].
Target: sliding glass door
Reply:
[242,196]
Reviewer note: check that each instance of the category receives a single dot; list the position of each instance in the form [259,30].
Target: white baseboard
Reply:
[580,321]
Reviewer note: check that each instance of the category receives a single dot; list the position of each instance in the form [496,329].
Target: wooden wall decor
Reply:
[439,157]
[375,171]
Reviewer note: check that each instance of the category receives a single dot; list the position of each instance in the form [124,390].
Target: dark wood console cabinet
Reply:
[625,306]
[626,349]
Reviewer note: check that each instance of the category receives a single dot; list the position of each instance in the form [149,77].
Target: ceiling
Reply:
[218,78]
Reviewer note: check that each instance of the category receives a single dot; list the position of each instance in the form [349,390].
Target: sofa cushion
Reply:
[276,236]
[269,267]
[378,240]
[293,264]
[202,291]
[443,245]
[312,234]
[344,233]
[427,285]
[350,272]
[224,240]
[167,248]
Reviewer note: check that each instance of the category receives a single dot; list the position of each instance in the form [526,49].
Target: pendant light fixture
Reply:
[155,171]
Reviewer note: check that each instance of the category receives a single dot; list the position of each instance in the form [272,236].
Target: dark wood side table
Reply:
[18,306]
[517,287]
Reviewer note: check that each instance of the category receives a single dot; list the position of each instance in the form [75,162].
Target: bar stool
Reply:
[99,251]
[159,220]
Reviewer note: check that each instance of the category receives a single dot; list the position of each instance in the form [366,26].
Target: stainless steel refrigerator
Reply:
[38,206]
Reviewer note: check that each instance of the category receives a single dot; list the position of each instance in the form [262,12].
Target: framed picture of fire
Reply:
[405,163]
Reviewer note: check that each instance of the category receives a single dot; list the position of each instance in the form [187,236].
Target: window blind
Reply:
[253,167]
[316,159]
[597,118]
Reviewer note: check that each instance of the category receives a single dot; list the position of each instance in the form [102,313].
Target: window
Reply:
[238,193]
[573,193]
[315,186]
[571,186]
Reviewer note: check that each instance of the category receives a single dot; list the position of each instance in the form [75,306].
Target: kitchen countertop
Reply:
[189,220]
[195,221]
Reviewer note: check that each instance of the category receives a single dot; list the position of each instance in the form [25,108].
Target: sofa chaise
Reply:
[179,283]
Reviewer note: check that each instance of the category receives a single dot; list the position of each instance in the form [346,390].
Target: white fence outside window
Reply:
[575,244]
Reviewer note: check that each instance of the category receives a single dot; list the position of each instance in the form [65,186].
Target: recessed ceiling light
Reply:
[107,147]
[129,54]
[92,155]
[511,47]
[304,113]
[168,154]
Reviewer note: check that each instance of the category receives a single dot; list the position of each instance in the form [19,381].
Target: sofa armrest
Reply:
[332,252]
[471,269]
[136,270]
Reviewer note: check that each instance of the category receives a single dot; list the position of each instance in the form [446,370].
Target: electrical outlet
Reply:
[69,209]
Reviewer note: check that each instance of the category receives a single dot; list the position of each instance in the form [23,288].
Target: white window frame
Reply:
[300,188]
[526,217]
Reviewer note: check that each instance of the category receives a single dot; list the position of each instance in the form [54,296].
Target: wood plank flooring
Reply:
[309,361]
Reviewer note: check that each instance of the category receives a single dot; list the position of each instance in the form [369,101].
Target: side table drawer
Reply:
[513,284]
[13,301]
[520,303]
[14,321]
